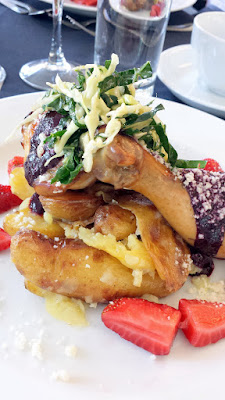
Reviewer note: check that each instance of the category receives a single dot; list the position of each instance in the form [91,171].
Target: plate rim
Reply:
[174,90]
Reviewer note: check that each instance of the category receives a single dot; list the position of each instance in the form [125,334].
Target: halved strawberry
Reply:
[148,325]
[14,163]
[5,240]
[7,198]
[212,165]
[202,322]
[155,10]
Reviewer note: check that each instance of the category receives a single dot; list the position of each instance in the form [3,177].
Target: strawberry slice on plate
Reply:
[148,325]
[212,165]
[202,322]
[8,199]
[5,240]
[14,163]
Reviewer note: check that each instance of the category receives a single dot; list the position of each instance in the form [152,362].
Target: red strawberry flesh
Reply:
[202,322]
[8,199]
[15,162]
[5,240]
[148,325]
[212,165]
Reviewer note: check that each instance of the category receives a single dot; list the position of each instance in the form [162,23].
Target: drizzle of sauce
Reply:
[202,261]
[207,193]
[34,165]
[35,205]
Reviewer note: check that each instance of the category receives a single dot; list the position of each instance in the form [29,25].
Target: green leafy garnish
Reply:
[107,64]
[125,78]
[190,163]
[109,100]
[81,80]
[72,161]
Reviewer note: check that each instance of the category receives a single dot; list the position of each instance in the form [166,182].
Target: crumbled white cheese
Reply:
[204,289]
[36,349]
[71,351]
[21,341]
[137,274]
[150,297]
[61,375]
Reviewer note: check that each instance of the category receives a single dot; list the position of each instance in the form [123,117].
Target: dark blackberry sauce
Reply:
[207,193]
[34,165]
[35,205]
[202,261]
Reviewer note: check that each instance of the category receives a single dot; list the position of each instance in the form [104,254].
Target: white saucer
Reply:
[178,5]
[177,72]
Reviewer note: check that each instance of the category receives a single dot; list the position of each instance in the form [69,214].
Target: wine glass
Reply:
[37,73]
[2,76]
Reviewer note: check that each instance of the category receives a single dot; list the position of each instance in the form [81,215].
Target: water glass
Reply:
[134,30]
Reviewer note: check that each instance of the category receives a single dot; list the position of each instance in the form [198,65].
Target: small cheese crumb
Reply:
[137,274]
[20,341]
[36,349]
[71,351]
[150,297]
[60,375]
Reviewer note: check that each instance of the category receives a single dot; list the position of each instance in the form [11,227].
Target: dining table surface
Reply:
[25,38]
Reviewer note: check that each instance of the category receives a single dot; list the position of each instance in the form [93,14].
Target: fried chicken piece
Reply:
[126,164]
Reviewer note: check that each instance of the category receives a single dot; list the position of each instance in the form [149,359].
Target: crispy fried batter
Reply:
[114,220]
[71,268]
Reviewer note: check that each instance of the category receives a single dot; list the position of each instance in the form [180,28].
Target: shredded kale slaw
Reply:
[143,126]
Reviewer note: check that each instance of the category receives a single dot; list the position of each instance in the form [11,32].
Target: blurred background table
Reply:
[25,38]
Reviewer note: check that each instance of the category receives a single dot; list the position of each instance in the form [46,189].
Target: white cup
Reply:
[208,43]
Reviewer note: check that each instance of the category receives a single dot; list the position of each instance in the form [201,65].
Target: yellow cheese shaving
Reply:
[133,255]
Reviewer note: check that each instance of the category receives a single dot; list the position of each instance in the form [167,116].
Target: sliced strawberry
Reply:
[7,199]
[148,325]
[15,162]
[202,322]
[5,240]
[212,165]
[155,11]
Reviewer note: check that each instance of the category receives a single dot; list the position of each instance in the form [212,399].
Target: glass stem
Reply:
[56,55]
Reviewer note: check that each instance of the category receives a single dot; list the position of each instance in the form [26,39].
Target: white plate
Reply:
[91,11]
[177,72]
[178,5]
[106,366]
[80,9]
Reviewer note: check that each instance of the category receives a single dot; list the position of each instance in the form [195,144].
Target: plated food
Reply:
[95,162]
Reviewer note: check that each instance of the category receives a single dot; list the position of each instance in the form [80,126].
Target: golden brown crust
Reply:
[114,220]
[46,188]
[169,253]
[72,205]
[125,164]
[64,269]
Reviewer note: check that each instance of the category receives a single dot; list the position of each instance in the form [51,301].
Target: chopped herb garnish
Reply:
[125,78]
[143,126]
[109,100]
[81,80]
[190,163]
